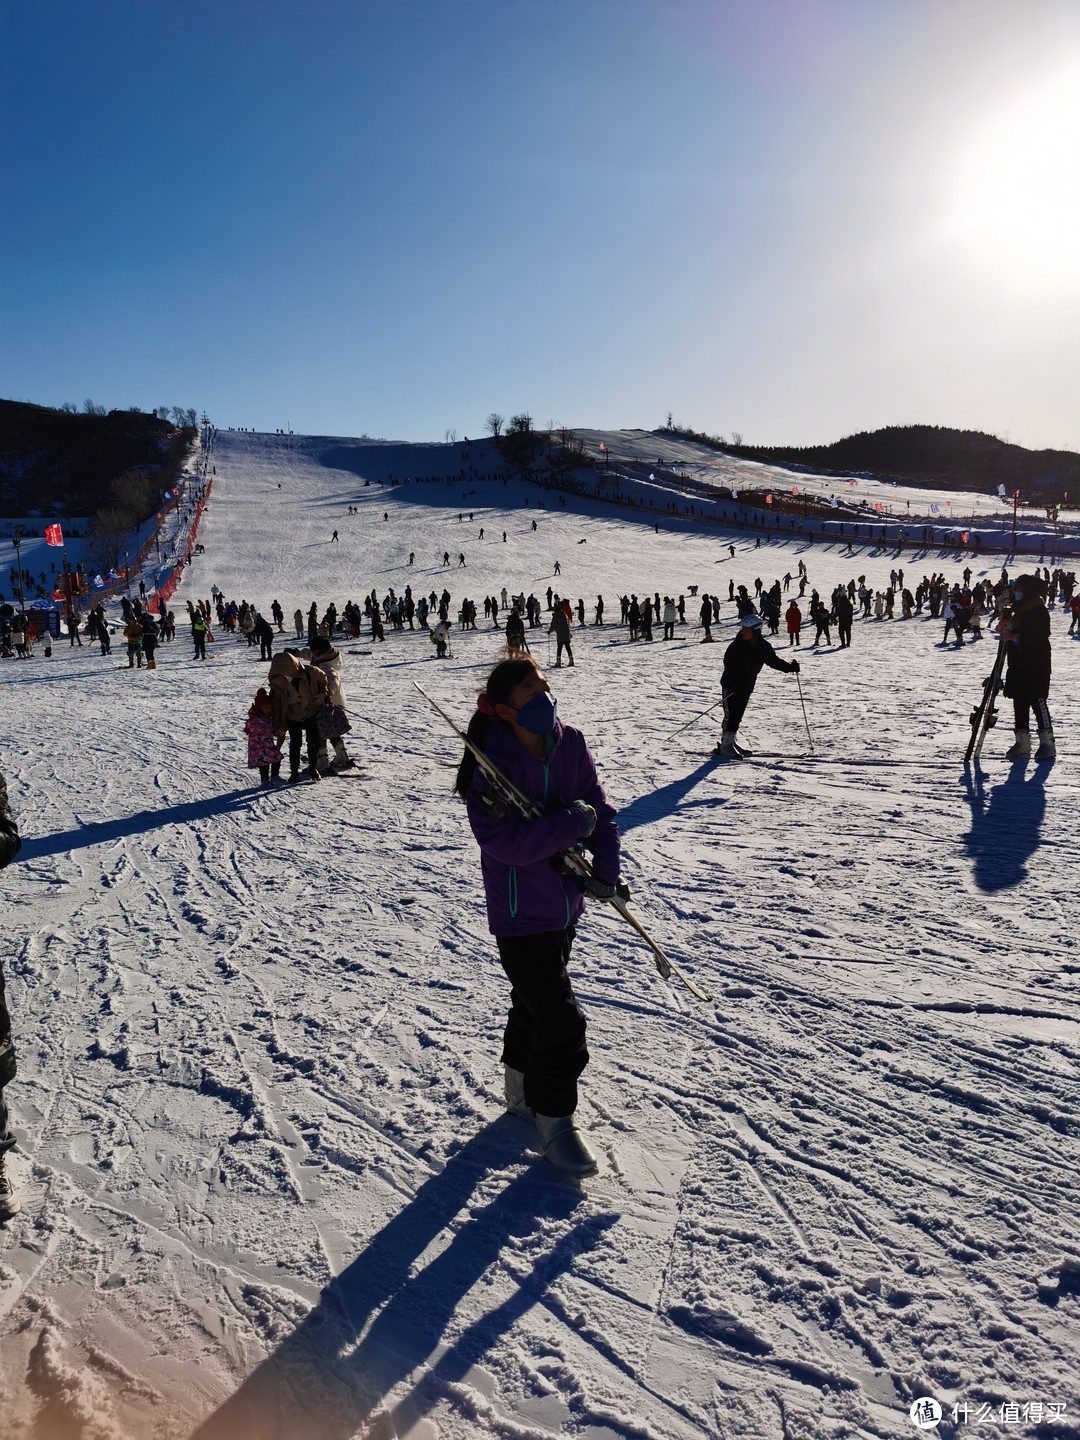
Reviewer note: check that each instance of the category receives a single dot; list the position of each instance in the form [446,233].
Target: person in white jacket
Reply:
[669,618]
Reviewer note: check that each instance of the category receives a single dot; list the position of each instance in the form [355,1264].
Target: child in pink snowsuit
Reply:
[264,752]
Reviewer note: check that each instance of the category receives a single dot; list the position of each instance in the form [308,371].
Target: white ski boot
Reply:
[563,1145]
[1047,746]
[1021,747]
[727,747]
[514,1090]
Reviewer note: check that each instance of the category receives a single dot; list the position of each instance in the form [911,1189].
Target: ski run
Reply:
[270,1190]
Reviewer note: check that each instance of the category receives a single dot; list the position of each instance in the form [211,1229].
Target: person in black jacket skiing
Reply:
[9,847]
[743,660]
[1026,632]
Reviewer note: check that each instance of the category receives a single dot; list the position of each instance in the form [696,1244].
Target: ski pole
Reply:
[806,722]
[696,718]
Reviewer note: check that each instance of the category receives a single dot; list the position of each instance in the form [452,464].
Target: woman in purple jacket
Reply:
[532,904]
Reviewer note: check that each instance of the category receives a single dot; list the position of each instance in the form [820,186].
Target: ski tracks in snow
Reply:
[259,1035]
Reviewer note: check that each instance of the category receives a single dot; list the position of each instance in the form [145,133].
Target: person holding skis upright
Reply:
[743,660]
[533,906]
[1025,630]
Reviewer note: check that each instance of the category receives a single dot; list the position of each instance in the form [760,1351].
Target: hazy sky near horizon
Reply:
[791,219]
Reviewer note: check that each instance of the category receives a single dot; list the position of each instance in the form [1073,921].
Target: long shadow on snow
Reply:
[647,808]
[100,832]
[1005,826]
[323,1382]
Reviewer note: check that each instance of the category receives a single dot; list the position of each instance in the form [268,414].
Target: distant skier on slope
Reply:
[532,907]
[743,660]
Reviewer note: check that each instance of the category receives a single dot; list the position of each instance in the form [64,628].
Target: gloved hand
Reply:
[587,813]
[794,667]
[601,890]
[595,888]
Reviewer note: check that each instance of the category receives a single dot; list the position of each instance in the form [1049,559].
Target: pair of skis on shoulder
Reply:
[575,862]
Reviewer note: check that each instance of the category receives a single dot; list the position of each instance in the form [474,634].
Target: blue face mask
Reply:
[538,714]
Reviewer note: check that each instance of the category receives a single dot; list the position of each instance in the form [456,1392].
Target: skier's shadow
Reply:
[332,1374]
[1005,826]
[660,803]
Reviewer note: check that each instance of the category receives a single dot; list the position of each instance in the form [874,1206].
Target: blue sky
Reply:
[790,219]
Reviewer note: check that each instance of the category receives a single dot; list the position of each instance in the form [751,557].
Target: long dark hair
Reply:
[501,683]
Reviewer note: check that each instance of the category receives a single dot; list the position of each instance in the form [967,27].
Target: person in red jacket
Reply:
[793,616]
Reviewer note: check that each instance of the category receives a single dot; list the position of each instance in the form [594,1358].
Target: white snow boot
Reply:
[727,747]
[514,1090]
[563,1145]
[1047,748]
[10,1204]
[1021,747]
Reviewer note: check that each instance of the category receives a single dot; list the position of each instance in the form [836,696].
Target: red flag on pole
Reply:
[54,535]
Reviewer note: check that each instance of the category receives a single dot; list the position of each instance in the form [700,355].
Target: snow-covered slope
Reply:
[270,1190]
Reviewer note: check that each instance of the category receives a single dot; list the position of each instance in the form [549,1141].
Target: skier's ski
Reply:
[984,715]
[576,863]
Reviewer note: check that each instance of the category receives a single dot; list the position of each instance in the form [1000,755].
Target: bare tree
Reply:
[69,407]
[109,534]
[451,437]
[494,424]
[89,408]
[135,494]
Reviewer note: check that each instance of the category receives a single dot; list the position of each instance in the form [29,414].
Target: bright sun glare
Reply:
[1016,196]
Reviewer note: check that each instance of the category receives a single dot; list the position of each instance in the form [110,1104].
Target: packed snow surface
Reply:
[270,1188]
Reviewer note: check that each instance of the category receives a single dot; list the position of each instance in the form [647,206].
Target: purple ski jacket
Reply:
[525,894]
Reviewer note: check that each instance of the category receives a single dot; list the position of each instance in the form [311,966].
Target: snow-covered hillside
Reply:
[270,1190]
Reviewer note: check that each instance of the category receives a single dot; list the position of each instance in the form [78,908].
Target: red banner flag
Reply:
[54,535]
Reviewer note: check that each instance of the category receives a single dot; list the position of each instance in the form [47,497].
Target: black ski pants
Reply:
[735,703]
[843,631]
[1022,711]
[545,1029]
[299,730]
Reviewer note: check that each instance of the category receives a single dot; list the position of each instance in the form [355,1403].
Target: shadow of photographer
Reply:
[329,1377]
